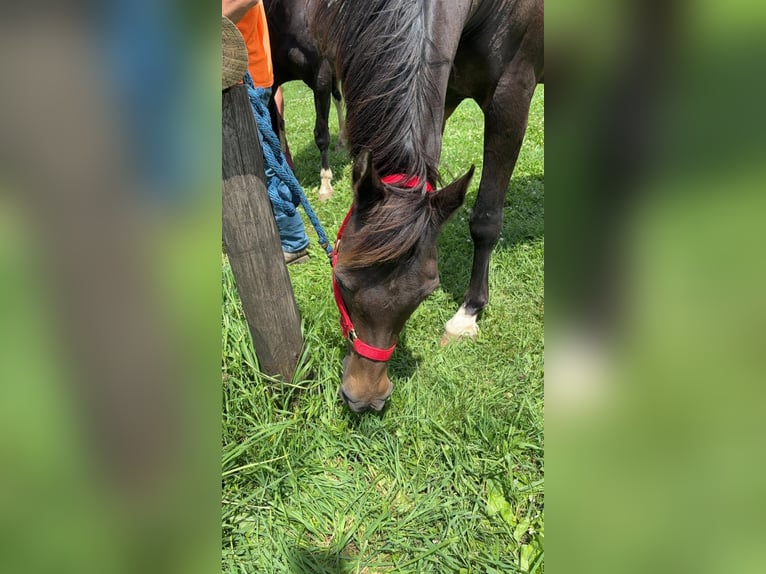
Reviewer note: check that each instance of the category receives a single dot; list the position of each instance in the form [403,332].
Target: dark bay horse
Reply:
[295,56]
[404,66]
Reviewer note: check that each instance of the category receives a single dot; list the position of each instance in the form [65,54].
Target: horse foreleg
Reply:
[322,92]
[505,122]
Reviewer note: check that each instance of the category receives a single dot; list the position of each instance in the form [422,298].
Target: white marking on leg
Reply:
[325,190]
[461,325]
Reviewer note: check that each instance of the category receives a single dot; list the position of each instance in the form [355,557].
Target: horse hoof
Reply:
[449,337]
[325,189]
[461,325]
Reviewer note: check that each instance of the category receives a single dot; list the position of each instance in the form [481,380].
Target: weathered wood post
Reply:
[252,242]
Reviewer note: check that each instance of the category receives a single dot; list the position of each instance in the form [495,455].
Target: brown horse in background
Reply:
[404,66]
[295,56]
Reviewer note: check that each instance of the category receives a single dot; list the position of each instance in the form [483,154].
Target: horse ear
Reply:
[367,187]
[448,199]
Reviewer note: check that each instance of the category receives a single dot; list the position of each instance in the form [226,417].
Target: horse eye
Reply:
[342,285]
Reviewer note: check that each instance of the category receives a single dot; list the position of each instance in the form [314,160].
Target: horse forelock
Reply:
[389,230]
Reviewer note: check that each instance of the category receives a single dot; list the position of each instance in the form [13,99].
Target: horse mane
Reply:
[381,53]
[382,56]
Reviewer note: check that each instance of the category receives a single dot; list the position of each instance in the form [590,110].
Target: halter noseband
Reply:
[347,326]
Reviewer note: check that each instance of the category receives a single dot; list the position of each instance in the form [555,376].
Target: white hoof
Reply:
[325,190]
[461,325]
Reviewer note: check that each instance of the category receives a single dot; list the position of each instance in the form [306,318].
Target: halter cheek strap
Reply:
[346,325]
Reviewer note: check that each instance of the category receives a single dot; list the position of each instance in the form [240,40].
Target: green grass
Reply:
[450,477]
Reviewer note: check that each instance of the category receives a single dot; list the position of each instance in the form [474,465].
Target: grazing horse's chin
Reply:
[365,384]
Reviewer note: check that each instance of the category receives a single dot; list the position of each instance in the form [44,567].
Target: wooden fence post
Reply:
[252,242]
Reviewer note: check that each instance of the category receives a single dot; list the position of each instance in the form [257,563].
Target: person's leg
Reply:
[292,232]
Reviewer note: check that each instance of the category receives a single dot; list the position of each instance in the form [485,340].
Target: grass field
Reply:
[450,477]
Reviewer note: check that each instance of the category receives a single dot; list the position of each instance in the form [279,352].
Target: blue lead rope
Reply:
[274,159]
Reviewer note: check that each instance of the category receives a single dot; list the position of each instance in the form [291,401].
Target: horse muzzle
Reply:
[361,391]
[361,406]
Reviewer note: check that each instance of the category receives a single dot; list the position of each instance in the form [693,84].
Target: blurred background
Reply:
[655,280]
[110,280]
[110,234]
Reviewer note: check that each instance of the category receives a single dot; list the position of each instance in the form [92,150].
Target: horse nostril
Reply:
[355,406]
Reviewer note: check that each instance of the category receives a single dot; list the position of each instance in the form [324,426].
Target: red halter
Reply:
[346,325]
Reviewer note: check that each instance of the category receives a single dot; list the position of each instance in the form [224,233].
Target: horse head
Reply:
[385,266]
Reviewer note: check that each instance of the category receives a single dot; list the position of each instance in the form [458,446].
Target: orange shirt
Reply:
[254,30]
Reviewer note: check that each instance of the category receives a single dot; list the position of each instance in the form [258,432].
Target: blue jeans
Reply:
[292,232]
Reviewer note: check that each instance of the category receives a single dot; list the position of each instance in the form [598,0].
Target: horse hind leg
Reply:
[322,91]
[276,110]
[505,122]
[338,101]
